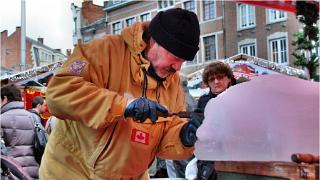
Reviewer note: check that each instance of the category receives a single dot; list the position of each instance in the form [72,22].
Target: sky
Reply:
[48,19]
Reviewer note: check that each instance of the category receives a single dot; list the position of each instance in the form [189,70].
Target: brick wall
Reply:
[293,26]
[4,36]
[10,50]
[91,12]
[227,43]
[260,32]
[11,44]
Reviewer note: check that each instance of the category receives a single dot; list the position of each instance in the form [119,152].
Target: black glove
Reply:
[140,109]
[188,131]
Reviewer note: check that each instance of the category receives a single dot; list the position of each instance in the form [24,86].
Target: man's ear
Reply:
[4,100]
[38,106]
[152,42]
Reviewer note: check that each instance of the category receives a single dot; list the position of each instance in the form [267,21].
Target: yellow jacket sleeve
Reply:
[77,91]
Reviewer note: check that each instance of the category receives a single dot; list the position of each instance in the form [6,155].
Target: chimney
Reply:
[58,50]
[86,3]
[18,29]
[105,4]
[4,33]
[68,52]
[40,40]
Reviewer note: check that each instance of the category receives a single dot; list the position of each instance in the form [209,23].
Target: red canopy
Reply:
[284,5]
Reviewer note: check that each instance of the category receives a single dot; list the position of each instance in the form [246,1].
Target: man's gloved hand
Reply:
[142,108]
[188,131]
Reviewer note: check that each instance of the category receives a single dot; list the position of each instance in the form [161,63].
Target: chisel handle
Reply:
[181,114]
[304,158]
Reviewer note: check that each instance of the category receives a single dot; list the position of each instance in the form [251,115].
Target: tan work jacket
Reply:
[92,139]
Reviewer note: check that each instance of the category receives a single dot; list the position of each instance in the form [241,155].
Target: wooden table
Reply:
[266,170]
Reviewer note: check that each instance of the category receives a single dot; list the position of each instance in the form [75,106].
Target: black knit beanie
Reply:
[177,30]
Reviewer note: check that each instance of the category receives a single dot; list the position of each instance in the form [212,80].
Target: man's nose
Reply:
[177,66]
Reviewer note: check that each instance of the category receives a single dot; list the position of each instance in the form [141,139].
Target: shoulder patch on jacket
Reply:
[76,67]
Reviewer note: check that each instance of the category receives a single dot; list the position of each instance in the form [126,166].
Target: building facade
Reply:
[89,22]
[227,28]
[37,53]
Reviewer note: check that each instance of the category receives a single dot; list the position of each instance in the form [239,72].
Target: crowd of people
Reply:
[112,104]
[17,129]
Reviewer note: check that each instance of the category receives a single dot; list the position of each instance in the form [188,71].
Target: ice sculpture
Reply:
[266,119]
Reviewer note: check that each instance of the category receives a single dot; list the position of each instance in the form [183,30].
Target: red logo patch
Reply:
[139,136]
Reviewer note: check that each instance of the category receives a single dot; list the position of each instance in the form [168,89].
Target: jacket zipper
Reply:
[93,164]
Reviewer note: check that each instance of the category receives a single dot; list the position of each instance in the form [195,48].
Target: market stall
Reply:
[33,83]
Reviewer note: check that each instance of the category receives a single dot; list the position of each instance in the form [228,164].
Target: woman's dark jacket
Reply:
[203,100]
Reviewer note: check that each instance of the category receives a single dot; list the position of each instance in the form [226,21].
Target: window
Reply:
[278,48]
[75,25]
[145,17]
[246,16]
[116,27]
[130,21]
[87,39]
[210,48]
[249,49]
[36,55]
[190,6]
[165,4]
[208,10]
[275,15]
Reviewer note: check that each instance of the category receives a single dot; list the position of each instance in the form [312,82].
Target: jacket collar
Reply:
[34,111]
[12,105]
[133,37]
[211,95]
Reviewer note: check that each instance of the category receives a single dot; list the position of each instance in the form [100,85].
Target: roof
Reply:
[98,24]
[47,47]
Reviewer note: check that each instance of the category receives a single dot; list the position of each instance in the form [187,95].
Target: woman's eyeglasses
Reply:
[216,76]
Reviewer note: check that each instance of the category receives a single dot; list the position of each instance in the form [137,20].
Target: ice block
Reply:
[266,119]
